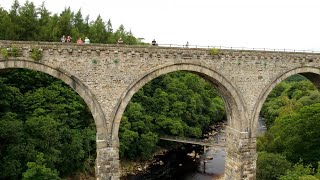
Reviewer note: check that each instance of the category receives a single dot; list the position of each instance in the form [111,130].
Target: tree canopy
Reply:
[292,112]
[178,104]
[46,129]
[30,23]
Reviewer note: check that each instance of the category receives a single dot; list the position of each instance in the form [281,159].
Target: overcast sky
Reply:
[289,24]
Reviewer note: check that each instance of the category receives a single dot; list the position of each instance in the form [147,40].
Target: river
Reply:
[178,164]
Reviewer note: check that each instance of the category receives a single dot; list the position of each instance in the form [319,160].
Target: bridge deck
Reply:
[193,141]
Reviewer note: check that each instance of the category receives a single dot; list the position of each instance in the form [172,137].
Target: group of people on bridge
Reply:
[79,41]
[87,41]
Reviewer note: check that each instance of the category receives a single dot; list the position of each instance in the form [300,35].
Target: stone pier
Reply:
[241,155]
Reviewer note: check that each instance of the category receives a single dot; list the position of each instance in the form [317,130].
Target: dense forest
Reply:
[46,130]
[178,104]
[290,149]
[29,23]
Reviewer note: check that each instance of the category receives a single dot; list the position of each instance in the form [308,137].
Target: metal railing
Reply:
[6,42]
[237,48]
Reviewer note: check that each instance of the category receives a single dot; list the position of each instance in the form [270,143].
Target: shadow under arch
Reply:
[84,92]
[233,100]
[311,73]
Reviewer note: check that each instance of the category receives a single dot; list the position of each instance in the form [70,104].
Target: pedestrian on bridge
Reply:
[154,42]
[63,39]
[79,41]
[69,39]
[120,41]
[86,40]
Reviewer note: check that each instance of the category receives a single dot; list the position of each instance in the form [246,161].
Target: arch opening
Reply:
[76,102]
[312,74]
[82,90]
[289,108]
[233,102]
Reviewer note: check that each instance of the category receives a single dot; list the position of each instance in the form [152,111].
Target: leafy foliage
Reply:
[4,53]
[27,22]
[36,54]
[38,171]
[292,111]
[10,52]
[271,166]
[288,97]
[46,130]
[179,104]
[214,51]
[301,172]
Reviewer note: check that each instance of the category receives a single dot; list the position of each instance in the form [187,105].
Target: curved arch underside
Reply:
[313,74]
[233,100]
[75,84]
[314,78]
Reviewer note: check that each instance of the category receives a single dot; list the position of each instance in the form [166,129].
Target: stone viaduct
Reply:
[107,76]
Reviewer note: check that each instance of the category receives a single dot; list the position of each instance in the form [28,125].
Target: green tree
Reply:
[128,146]
[147,143]
[6,25]
[109,33]
[14,18]
[79,27]
[55,32]
[28,22]
[38,170]
[292,110]
[303,134]
[120,32]
[271,166]
[44,33]
[179,104]
[40,114]
[65,22]
[299,172]
[98,32]
[11,146]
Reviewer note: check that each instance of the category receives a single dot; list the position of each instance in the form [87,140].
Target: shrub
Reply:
[10,52]
[36,54]
[14,52]
[214,51]
[4,53]
[271,166]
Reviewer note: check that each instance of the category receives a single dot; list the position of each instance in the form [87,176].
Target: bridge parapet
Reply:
[155,52]
[107,76]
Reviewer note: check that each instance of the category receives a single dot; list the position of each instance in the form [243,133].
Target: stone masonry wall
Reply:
[241,155]
[106,73]
[108,164]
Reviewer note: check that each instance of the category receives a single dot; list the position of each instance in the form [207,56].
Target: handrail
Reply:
[181,46]
[237,48]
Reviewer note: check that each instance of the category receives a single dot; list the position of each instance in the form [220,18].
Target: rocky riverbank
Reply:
[181,162]
[139,167]
[167,166]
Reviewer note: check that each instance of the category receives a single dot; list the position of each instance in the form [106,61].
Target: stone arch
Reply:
[313,74]
[236,110]
[75,84]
